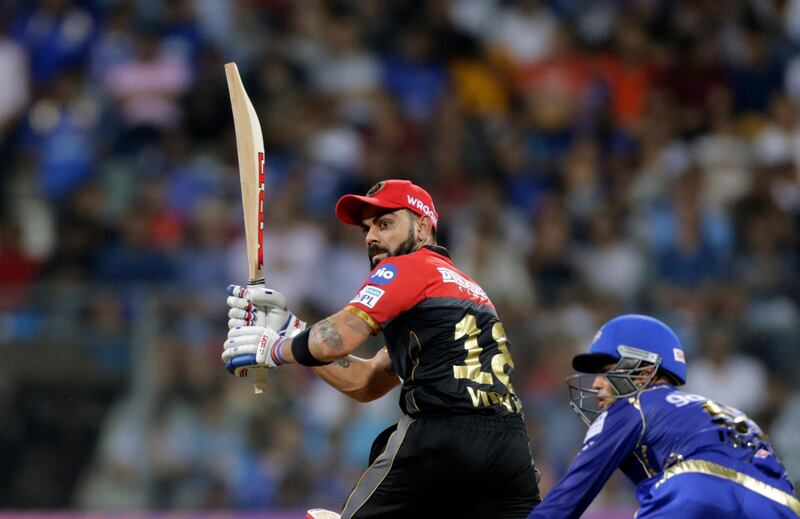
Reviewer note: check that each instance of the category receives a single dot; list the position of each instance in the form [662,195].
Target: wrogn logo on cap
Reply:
[422,207]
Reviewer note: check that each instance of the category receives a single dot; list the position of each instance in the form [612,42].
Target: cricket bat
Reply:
[250,148]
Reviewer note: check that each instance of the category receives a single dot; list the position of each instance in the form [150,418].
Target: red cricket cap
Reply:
[388,194]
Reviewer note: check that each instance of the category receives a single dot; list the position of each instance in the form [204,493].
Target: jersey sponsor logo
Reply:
[384,275]
[679,356]
[679,399]
[368,296]
[450,276]
[426,210]
[596,427]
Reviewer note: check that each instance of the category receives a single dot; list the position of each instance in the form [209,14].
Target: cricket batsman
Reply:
[461,448]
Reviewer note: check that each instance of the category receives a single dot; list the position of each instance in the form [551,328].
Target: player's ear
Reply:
[424,228]
[647,373]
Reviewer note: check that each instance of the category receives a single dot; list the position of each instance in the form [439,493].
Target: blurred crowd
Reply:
[587,158]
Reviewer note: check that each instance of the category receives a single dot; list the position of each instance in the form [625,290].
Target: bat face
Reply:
[252,174]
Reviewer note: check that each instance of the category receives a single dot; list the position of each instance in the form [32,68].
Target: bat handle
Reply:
[259,376]
[259,380]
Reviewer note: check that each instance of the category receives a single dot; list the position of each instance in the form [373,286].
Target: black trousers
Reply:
[435,466]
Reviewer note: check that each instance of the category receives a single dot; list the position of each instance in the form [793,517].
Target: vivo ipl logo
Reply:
[261,179]
[384,275]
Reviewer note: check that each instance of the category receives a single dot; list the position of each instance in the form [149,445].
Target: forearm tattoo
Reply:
[344,363]
[329,335]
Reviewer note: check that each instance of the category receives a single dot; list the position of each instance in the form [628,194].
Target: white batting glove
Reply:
[251,347]
[256,305]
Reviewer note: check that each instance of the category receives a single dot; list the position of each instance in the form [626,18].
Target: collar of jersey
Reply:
[438,249]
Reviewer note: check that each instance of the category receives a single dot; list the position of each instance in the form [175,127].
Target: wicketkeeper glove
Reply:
[256,305]
[252,347]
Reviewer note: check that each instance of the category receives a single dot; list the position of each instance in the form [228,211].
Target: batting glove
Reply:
[256,305]
[251,347]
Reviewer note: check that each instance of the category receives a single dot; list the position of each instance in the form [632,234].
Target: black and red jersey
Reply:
[443,335]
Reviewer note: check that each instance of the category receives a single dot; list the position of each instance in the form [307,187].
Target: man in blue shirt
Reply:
[688,456]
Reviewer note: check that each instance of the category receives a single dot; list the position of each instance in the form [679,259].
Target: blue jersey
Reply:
[687,456]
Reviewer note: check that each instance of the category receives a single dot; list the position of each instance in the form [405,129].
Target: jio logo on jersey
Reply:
[384,275]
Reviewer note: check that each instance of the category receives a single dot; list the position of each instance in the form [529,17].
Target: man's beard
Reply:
[409,245]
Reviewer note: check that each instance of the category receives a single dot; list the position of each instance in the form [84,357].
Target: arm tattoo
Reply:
[329,335]
[344,363]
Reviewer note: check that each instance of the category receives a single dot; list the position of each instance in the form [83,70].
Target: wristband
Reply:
[302,355]
[276,352]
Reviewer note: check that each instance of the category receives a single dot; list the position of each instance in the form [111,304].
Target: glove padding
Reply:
[256,305]
[251,347]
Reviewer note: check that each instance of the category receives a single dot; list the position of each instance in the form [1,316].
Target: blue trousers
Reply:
[701,496]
